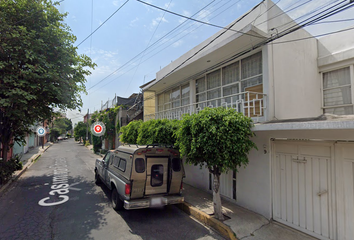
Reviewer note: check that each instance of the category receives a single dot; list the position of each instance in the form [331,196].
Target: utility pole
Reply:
[87,124]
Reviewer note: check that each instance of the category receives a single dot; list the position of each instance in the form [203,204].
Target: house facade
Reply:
[299,91]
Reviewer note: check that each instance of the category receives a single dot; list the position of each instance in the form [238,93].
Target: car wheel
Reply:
[97,178]
[117,204]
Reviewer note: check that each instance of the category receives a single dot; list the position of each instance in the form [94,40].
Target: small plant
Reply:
[87,143]
[7,168]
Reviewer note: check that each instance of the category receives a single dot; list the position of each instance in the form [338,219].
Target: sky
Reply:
[119,46]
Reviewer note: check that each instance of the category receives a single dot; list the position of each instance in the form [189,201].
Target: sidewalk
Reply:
[27,159]
[243,223]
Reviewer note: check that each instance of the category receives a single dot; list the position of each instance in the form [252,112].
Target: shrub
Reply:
[87,143]
[130,132]
[97,143]
[7,168]
[159,131]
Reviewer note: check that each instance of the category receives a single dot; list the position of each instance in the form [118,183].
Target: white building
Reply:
[303,173]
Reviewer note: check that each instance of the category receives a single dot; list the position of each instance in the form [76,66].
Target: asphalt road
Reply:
[37,206]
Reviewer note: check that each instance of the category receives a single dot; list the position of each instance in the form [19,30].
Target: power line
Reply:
[103,23]
[196,20]
[165,48]
[319,35]
[147,48]
[152,36]
[334,21]
[268,40]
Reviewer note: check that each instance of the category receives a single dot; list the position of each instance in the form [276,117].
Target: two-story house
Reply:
[299,91]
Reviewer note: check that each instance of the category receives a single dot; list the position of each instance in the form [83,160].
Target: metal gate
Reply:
[303,187]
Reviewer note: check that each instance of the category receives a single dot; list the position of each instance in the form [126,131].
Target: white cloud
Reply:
[157,20]
[117,3]
[184,13]
[203,15]
[177,44]
[132,22]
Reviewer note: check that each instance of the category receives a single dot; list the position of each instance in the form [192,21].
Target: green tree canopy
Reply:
[39,66]
[219,138]
[63,125]
[80,131]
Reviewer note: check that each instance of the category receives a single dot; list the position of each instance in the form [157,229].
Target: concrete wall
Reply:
[336,48]
[291,75]
[196,177]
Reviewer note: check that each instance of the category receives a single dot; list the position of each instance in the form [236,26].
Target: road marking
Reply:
[59,186]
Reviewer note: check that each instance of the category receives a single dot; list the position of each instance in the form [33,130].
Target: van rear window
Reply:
[176,164]
[139,165]
[156,175]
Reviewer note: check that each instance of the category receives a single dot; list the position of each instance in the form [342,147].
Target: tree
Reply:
[63,124]
[80,131]
[39,67]
[219,138]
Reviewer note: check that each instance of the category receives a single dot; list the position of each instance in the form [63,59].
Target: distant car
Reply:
[60,138]
[66,137]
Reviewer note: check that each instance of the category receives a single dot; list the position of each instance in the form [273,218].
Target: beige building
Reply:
[299,91]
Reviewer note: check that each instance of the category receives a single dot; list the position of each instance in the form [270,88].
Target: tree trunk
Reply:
[216,197]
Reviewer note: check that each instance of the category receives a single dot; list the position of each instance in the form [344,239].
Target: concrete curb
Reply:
[217,225]
[18,174]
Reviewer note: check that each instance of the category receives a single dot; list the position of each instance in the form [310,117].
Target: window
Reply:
[122,164]
[251,71]
[337,92]
[176,164]
[139,165]
[185,95]
[106,158]
[116,161]
[238,77]
[157,175]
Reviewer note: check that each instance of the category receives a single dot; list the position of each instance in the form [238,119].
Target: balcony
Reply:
[251,104]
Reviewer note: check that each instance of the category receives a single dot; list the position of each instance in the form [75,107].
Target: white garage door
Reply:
[345,190]
[303,187]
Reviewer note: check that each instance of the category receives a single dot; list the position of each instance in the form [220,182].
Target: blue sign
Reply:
[40,131]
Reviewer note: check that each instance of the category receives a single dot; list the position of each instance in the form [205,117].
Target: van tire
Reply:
[117,203]
[97,178]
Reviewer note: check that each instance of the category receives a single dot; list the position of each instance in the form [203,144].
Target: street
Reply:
[40,206]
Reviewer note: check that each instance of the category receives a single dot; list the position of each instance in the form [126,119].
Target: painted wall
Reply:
[291,73]
[196,177]
[254,190]
[149,104]
[335,48]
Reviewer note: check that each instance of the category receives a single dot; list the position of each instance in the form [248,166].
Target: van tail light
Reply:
[127,189]
[180,190]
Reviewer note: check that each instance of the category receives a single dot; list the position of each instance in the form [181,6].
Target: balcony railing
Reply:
[251,104]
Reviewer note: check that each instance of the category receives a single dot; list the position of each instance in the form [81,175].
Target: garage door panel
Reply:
[295,193]
[309,195]
[300,179]
[289,188]
[302,196]
[283,161]
[315,150]
[348,167]
[323,192]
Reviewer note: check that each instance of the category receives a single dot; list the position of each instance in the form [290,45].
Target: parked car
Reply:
[60,138]
[141,176]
